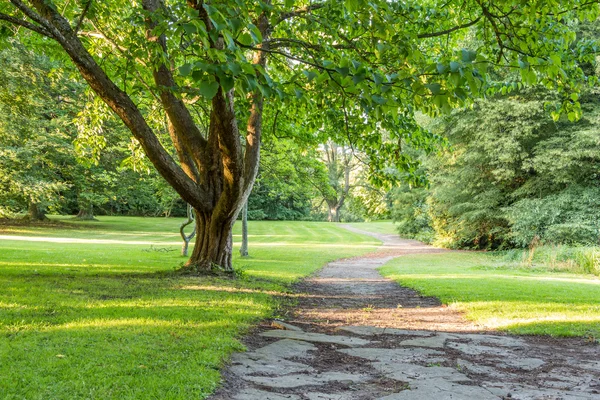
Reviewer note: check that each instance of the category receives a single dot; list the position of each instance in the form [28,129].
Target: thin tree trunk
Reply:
[187,238]
[86,214]
[244,248]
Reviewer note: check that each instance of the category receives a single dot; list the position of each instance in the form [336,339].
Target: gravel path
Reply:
[355,335]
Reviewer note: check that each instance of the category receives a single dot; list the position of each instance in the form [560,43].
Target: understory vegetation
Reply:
[95,310]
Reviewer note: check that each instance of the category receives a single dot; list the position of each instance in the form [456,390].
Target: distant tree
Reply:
[36,153]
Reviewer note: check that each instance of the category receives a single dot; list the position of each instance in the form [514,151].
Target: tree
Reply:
[380,59]
[338,159]
[35,145]
[511,177]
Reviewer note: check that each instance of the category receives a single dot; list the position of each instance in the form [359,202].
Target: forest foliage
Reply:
[510,176]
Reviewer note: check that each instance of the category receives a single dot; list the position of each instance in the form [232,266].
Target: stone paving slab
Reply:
[317,337]
[374,331]
[408,372]
[287,348]
[248,365]
[523,392]
[328,396]
[437,341]
[396,355]
[439,389]
[254,394]
[298,380]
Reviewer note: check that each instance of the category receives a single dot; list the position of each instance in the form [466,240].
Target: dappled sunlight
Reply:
[137,323]
[592,280]
[83,241]
[312,244]
[101,301]
[229,289]
[498,323]
[535,302]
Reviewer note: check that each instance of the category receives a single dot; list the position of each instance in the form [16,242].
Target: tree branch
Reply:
[25,24]
[291,14]
[83,13]
[448,31]
[119,102]
[178,114]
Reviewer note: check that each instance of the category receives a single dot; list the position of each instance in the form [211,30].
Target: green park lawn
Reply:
[100,313]
[498,295]
[95,310]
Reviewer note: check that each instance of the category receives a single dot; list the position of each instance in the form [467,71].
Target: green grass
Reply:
[110,320]
[503,296]
[383,226]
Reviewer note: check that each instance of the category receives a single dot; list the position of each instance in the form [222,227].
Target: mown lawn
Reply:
[502,297]
[383,226]
[110,320]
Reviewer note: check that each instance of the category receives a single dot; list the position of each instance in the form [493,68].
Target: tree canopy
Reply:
[199,76]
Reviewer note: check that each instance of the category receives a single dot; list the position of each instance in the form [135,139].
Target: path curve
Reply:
[355,335]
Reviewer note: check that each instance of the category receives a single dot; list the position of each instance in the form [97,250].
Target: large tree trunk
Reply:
[333,213]
[213,247]
[35,213]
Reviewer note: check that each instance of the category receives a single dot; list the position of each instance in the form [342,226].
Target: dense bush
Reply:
[571,216]
[509,177]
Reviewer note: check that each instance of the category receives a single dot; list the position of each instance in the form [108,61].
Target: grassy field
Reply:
[383,226]
[503,295]
[92,310]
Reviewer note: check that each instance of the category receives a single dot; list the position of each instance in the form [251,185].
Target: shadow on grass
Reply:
[120,336]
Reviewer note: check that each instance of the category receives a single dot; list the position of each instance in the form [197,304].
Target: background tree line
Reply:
[510,176]
[62,152]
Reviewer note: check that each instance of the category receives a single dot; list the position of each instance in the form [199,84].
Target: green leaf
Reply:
[454,66]
[351,5]
[358,78]
[468,56]
[310,74]
[378,99]
[185,69]
[189,28]
[234,68]
[435,88]
[208,89]
[227,82]
[245,39]
[343,71]
[255,32]
[210,10]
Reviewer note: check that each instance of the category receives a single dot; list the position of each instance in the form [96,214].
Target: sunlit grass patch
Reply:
[105,320]
[517,300]
[384,226]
